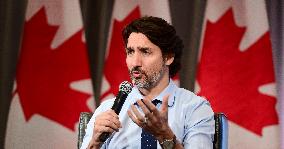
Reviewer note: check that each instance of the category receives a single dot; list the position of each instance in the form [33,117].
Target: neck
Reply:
[157,89]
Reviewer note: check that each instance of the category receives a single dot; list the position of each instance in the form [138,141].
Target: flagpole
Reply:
[10,38]
[96,18]
[189,27]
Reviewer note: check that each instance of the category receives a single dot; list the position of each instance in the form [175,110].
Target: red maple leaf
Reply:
[230,79]
[44,74]
[115,69]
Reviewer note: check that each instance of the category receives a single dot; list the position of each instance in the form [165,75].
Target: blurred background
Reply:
[60,58]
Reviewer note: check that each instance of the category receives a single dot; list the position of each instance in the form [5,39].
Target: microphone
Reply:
[124,89]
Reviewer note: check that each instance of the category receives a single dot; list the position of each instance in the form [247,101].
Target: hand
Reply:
[105,122]
[156,121]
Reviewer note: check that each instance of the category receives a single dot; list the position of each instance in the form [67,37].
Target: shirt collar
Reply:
[170,89]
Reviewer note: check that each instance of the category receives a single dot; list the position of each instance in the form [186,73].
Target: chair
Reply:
[83,121]
[220,136]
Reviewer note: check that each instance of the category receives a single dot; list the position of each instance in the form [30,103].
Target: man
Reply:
[179,120]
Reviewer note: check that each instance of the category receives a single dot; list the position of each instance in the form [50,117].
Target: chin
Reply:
[138,83]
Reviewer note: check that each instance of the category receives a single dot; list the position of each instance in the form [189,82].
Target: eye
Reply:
[146,51]
[129,51]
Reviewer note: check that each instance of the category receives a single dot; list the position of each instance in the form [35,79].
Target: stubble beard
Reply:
[147,81]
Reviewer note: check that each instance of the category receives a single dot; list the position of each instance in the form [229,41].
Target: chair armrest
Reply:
[83,121]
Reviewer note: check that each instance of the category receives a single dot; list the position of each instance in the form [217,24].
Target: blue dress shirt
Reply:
[189,116]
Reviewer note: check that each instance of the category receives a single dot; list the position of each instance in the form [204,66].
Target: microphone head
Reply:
[125,86]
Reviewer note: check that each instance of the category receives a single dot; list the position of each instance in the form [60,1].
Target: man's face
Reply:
[144,60]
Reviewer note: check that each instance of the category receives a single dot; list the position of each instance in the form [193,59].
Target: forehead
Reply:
[139,40]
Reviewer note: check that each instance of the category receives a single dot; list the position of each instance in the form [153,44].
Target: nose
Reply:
[135,60]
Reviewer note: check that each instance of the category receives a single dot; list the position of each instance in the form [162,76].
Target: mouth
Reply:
[136,74]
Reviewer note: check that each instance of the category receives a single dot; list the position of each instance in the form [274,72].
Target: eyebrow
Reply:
[128,48]
[139,48]
[144,48]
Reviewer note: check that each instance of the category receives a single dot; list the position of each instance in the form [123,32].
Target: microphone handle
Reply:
[104,136]
[118,103]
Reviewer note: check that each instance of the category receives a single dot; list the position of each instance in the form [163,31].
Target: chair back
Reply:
[220,136]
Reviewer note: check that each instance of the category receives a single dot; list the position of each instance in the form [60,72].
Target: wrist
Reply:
[167,135]
[166,140]
[169,143]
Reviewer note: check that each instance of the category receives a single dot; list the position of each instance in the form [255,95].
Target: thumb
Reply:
[164,107]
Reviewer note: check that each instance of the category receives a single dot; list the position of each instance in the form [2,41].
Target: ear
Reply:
[169,59]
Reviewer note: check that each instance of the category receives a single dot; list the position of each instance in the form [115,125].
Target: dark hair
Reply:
[162,34]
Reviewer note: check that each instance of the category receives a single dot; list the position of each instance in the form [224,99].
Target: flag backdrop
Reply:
[52,83]
[236,72]
[235,52]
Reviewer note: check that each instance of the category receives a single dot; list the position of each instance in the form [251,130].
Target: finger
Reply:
[112,113]
[149,104]
[108,123]
[151,107]
[137,113]
[133,118]
[100,129]
[164,108]
[115,118]
[144,108]
[108,116]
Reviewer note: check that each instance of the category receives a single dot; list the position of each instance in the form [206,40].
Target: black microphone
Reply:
[124,89]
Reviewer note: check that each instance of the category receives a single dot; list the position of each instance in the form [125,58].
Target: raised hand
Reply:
[153,120]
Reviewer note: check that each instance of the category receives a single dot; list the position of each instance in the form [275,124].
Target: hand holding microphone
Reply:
[124,89]
[108,122]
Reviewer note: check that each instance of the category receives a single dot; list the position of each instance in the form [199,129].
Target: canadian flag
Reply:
[53,82]
[235,72]
[123,13]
